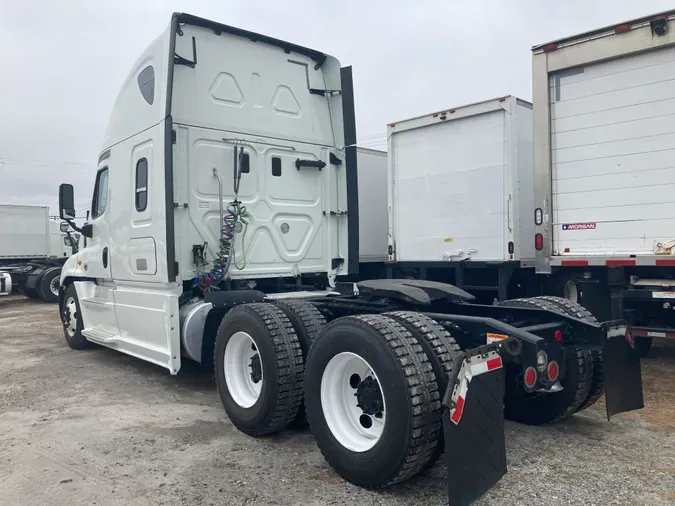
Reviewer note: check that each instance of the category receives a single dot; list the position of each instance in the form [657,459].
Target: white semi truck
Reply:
[33,248]
[225,214]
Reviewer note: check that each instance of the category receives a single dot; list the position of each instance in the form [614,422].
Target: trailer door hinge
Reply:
[339,212]
[323,93]
[173,136]
[334,160]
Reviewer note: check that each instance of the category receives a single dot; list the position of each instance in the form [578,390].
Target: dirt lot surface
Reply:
[101,428]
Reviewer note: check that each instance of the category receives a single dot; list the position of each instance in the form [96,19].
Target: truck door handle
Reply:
[319,164]
[105,257]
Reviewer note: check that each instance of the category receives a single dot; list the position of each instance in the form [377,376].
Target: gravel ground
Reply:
[98,427]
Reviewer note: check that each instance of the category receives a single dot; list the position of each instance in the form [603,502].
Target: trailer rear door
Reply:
[613,146]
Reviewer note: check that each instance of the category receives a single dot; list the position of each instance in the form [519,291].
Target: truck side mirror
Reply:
[66,202]
[63,226]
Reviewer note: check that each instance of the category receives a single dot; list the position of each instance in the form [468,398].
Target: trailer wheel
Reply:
[598,381]
[372,400]
[441,350]
[538,408]
[307,322]
[258,368]
[48,285]
[72,320]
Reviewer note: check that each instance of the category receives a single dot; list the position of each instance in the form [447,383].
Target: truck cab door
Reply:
[96,299]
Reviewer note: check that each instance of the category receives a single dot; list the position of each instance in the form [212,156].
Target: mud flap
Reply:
[623,375]
[473,424]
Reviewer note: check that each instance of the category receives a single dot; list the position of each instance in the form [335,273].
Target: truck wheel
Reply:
[72,320]
[372,400]
[258,368]
[598,380]
[538,408]
[48,285]
[441,350]
[307,322]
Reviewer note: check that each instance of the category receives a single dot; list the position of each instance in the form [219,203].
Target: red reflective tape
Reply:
[457,415]
[665,263]
[494,363]
[574,263]
[639,333]
[619,263]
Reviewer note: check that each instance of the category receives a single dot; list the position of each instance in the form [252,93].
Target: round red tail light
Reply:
[530,377]
[558,335]
[553,371]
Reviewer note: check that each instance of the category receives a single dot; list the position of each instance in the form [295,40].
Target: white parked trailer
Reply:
[372,177]
[32,250]
[460,184]
[604,142]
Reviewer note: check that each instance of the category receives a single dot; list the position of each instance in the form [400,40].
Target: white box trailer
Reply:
[24,232]
[32,250]
[372,177]
[461,183]
[604,142]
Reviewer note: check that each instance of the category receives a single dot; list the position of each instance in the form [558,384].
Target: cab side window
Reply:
[141,185]
[100,202]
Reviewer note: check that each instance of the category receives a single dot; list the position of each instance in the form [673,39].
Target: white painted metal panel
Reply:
[24,232]
[613,141]
[448,188]
[372,173]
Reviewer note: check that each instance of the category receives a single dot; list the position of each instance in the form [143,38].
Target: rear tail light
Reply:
[558,336]
[542,360]
[539,242]
[530,377]
[553,371]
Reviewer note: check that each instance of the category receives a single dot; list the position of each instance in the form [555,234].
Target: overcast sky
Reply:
[63,62]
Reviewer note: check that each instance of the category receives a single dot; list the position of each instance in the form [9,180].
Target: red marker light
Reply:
[539,242]
[558,335]
[553,371]
[550,47]
[622,28]
[530,377]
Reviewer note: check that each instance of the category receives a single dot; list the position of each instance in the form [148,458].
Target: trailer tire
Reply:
[539,408]
[400,400]
[70,310]
[48,285]
[441,350]
[598,381]
[308,322]
[270,400]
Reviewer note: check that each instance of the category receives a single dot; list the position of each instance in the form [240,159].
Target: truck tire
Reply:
[538,408]
[72,320]
[48,285]
[258,368]
[441,350]
[372,400]
[598,381]
[308,322]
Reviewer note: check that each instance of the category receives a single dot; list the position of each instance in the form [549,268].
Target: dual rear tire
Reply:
[371,385]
